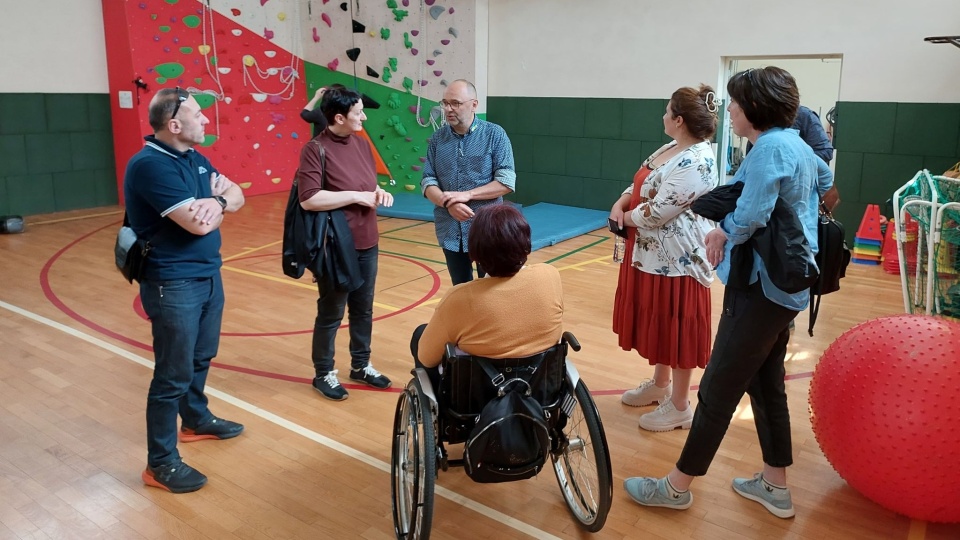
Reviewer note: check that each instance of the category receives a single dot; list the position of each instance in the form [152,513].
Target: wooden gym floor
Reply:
[75,367]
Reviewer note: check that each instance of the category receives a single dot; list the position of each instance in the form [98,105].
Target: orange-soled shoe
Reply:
[217,428]
[175,477]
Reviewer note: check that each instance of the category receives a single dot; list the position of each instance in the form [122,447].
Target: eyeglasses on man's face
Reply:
[180,99]
[454,104]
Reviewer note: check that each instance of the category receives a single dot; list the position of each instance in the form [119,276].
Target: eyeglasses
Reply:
[180,99]
[454,104]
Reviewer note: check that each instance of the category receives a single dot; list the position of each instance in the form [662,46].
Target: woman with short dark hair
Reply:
[514,312]
[751,340]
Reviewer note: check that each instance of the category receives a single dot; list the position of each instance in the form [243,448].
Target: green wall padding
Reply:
[583,152]
[56,153]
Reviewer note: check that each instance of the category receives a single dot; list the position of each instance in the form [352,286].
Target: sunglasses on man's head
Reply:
[180,99]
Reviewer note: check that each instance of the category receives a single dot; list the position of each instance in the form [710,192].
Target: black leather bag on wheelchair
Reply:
[511,438]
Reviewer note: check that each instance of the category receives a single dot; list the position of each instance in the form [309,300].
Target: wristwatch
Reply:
[222,200]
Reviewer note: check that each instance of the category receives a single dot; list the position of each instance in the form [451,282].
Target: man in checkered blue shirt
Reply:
[469,165]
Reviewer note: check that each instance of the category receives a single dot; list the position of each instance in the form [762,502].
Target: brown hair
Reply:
[698,108]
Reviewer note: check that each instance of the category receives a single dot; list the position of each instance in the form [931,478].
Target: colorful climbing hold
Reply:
[267,33]
[326,19]
[394,100]
[384,33]
[437,73]
[316,36]
[353,53]
[445,41]
[453,32]
[399,14]
[393,63]
[392,4]
[430,61]
[408,84]
[203,49]
[414,51]
[332,65]
[192,21]
[406,40]
[170,70]
[235,12]
[387,74]
[436,11]
[186,50]
[282,16]
[164,28]
[248,60]
[204,100]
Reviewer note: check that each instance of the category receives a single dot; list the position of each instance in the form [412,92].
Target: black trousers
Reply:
[432,372]
[330,310]
[747,356]
[460,266]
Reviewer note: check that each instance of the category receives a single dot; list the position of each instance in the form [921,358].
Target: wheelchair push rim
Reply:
[583,466]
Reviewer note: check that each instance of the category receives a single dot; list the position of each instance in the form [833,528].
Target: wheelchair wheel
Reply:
[583,467]
[413,464]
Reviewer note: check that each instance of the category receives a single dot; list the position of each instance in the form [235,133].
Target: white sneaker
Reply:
[647,393]
[666,417]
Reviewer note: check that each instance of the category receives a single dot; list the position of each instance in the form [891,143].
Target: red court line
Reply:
[52,297]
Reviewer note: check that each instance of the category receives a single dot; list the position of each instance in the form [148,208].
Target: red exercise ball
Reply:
[885,408]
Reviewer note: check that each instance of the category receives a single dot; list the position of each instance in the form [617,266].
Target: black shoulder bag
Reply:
[130,252]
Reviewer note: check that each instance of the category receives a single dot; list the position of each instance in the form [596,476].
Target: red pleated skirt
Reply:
[665,319]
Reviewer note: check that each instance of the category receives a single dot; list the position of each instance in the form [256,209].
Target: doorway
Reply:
[818,78]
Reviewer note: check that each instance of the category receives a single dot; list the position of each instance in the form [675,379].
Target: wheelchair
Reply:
[427,419]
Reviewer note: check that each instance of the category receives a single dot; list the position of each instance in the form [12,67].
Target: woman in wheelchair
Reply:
[482,317]
[513,318]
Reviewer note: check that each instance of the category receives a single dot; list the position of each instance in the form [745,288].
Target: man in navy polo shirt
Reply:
[176,200]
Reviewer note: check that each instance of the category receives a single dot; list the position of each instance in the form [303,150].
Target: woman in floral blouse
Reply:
[662,305]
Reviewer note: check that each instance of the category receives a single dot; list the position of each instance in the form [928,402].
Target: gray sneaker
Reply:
[776,500]
[653,492]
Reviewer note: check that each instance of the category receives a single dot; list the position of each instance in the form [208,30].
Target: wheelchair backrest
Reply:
[465,388]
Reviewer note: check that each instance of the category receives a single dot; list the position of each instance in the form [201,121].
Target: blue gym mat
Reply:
[549,223]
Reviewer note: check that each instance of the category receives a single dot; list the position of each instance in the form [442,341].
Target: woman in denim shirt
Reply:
[751,340]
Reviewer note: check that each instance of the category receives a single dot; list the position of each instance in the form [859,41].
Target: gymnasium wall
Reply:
[56,150]
[581,91]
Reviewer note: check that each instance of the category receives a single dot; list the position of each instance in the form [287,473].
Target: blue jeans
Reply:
[185,316]
[330,308]
[460,267]
[747,357]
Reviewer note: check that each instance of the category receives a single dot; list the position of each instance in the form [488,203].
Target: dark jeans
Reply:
[747,356]
[330,307]
[432,372]
[460,267]
[185,316]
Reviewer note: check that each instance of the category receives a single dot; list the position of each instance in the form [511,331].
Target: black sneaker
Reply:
[368,375]
[218,428]
[176,477]
[329,386]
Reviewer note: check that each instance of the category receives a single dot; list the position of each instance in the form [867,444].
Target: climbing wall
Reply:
[249,87]
[401,53]
[253,65]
